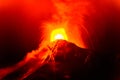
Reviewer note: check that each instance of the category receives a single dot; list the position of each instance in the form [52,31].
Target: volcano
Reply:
[59,60]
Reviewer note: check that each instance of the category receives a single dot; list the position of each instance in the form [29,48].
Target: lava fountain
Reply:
[58,34]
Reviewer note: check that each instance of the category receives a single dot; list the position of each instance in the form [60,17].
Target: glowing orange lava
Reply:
[58,34]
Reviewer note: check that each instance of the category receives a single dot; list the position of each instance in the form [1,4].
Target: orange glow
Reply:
[58,34]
